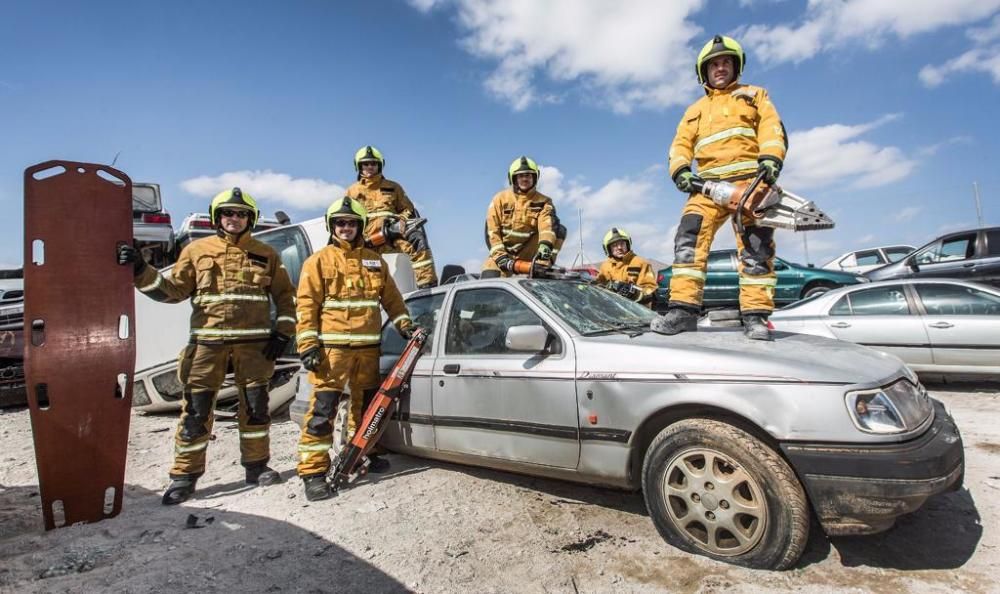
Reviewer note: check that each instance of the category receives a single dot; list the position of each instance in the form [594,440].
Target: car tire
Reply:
[698,472]
[814,289]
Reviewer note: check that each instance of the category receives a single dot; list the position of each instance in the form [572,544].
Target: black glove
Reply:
[770,168]
[393,229]
[311,358]
[407,331]
[417,238]
[628,291]
[505,263]
[128,253]
[683,180]
[275,346]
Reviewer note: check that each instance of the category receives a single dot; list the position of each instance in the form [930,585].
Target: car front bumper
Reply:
[862,488]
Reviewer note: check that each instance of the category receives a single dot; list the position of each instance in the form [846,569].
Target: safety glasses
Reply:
[345,222]
[240,214]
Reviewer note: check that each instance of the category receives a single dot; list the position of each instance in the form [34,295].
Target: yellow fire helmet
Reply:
[616,234]
[234,198]
[720,45]
[346,208]
[368,153]
[523,164]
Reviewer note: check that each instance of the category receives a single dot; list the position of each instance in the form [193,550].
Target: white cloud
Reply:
[828,156]
[830,24]
[625,55]
[932,149]
[984,57]
[269,186]
[907,214]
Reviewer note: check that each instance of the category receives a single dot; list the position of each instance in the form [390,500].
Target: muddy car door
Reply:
[491,400]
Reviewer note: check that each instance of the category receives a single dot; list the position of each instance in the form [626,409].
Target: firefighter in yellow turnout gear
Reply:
[623,271]
[388,211]
[342,290]
[733,132]
[520,222]
[231,279]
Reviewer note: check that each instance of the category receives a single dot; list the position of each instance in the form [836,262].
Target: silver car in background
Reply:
[734,443]
[937,326]
[151,226]
[860,261]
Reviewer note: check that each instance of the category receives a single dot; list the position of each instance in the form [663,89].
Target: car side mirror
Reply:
[532,339]
[912,263]
[780,266]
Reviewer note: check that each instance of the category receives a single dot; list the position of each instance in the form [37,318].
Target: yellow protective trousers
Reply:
[700,220]
[343,367]
[202,368]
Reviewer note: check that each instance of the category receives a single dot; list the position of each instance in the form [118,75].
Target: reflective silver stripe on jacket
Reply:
[338,338]
[154,284]
[382,213]
[728,133]
[422,264]
[400,318]
[347,304]
[230,332]
[286,319]
[731,168]
[689,272]
[217,297]
[253,434]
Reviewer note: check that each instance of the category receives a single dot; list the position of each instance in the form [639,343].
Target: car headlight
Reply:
[898,408]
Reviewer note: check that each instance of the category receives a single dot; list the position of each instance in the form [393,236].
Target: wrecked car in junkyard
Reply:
[734,443]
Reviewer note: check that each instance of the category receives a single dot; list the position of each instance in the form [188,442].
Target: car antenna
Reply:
[115,160]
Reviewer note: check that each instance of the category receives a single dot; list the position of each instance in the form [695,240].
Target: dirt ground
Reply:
[434,527]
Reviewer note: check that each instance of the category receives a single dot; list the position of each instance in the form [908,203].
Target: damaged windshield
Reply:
[589,309]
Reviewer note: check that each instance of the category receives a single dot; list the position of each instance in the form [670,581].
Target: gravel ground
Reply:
[434,527]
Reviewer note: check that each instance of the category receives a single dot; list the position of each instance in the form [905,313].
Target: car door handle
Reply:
[968,265]
[840,325]
[452,368]
[941,325]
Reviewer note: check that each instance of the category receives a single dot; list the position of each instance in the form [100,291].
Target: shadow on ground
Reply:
[152,548]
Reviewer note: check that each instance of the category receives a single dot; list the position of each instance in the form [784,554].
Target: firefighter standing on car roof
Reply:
[624,272]
[520,222]
[342,289]
[389,209]
[232,279]
[733,132]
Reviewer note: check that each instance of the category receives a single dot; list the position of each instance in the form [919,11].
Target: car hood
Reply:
[726,354]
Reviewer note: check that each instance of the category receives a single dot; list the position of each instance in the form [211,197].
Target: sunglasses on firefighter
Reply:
[345,223]
[241,214]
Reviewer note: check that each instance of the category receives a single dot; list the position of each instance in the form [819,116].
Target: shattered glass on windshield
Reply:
[589,309]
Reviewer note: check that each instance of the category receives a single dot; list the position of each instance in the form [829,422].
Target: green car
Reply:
[722,285]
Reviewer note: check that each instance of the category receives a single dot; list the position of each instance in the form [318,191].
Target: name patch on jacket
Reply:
[372,264]
[258,260]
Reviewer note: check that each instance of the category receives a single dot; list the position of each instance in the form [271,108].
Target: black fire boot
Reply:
[755,328]
[377,464]
[675,321]
[317,489]
[180,490]
[261,474]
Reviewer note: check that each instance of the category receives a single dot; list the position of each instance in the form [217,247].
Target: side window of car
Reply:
[842,307]
[928,255]
[957,300]
[993,243]
[720,262]
[424,312]
[897,253]
[848,261]
[958,248]
[480,318]
[292,248]
[869,258]
[879,301]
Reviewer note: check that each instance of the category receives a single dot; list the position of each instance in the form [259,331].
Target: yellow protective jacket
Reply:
[342,289]
[381,198]
[726,131]
[630,269]
[516,223]
[231,282]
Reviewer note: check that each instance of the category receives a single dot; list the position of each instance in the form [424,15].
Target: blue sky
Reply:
[892,107]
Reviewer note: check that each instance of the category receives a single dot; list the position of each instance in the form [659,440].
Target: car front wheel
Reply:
[713,489]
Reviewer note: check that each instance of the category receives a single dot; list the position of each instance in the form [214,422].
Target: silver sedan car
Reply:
[734,443]
[935,326]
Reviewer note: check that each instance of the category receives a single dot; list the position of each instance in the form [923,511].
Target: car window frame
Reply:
[558,347]
[911,309]
[433,342]
[919,301]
